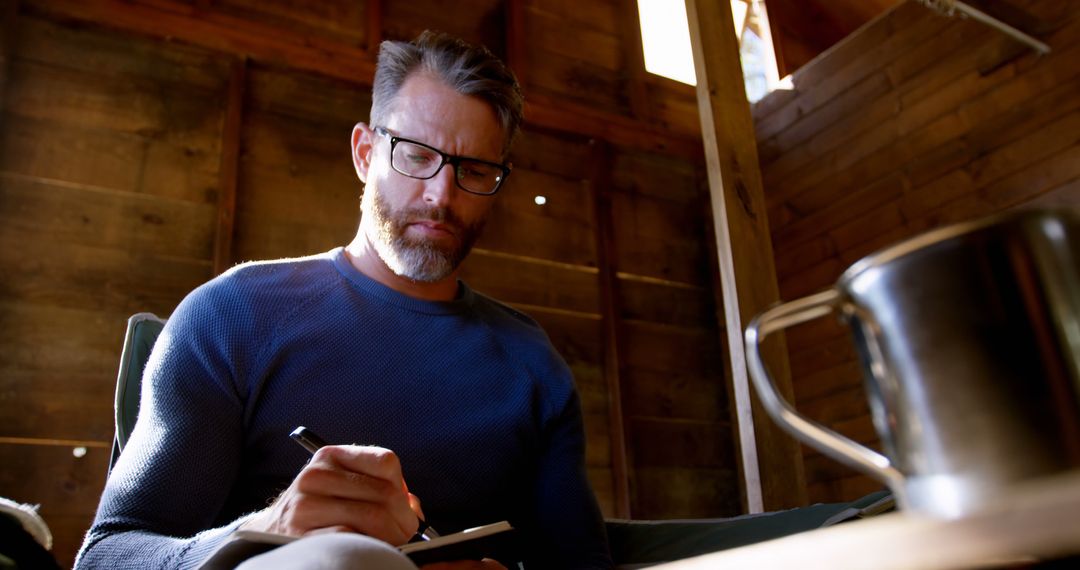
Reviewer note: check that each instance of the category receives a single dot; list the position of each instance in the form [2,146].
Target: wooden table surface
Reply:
[1038,521]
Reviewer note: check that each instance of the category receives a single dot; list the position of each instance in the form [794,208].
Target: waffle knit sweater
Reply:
[470,395]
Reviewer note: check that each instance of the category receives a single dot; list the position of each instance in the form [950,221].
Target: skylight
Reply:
[665,41]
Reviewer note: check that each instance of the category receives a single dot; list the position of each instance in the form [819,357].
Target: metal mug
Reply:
[969,343]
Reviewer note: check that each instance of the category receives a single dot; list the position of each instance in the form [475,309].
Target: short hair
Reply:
[468,69]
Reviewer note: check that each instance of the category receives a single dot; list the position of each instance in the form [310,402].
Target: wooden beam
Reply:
[620,130]
[375,25]
[600,185]
[230,166]
[223,32]
[268,44]
[516,47]
[771,460]
[10,11]
[634,66]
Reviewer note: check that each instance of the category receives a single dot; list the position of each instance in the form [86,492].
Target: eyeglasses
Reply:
[418,160]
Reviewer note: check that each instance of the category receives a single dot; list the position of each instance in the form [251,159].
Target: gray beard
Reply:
[417,259]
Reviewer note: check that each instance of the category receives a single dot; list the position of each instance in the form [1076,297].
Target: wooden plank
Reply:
[66,487]
[666,303]
[671,106]
[80,99]
[579,340]
[851,60]
[988,116]
[836,407]
[676,394]
[669,349]
[604,235]
[223,33]
[103,279]
[517,52]
[59,43]
[532,281]
[483,24]
[282,47]
[563,154]
[824,382]
[568,115]
[566,77]
[29,335]
[307,97]
[103,218]
[61,404]
[374,26]
[744,246]
[633,61]
[683,493]
[230,167]
[549,34]
[668,442]
[845,489]
[10,11]
[343,21]
[671,178]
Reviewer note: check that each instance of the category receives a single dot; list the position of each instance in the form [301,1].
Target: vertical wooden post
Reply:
[599,183]
[771,460]
[635,60]
[516,51]
[230,166]
[10,11]
[374,30]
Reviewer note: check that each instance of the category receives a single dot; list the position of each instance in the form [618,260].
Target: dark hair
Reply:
[468,69]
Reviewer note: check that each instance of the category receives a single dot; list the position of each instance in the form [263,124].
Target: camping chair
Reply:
[142,331]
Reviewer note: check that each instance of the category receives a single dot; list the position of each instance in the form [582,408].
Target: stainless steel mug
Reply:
[969,342]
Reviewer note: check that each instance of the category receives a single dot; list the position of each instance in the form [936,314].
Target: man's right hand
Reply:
[345,488]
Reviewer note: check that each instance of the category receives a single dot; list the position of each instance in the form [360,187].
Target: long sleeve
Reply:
[567,513]
[180,464]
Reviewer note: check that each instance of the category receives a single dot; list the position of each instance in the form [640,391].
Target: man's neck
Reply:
[361,253]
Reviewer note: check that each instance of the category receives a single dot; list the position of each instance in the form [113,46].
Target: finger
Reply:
[375,461]
[314,512]
[334,473]
[414,504]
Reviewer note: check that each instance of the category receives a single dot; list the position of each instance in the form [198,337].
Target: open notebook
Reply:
[497,541]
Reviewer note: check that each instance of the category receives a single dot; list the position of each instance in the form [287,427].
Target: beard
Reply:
[419,259]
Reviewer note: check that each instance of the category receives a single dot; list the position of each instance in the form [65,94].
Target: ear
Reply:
[363,140]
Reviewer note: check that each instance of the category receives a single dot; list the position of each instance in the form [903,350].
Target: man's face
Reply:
[423,229]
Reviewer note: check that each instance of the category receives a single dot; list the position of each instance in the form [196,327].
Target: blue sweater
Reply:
[470,394]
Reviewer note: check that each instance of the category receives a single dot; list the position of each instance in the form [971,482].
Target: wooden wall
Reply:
[140,141]
[914,122]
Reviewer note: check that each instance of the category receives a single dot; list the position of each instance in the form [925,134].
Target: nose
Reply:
[439,189]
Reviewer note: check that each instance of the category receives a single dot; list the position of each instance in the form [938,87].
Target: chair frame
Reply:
[129,381]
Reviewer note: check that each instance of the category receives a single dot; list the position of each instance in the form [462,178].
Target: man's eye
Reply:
[419,158]
[475,171]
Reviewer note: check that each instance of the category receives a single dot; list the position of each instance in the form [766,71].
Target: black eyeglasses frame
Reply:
[451,159]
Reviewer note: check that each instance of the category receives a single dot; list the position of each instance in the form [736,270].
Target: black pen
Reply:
[311,442]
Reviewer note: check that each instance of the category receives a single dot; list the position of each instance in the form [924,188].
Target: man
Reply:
[376,343]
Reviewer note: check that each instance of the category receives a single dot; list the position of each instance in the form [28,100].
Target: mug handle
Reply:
[831,443]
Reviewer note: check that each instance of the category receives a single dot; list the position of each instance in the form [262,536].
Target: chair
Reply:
[142,332]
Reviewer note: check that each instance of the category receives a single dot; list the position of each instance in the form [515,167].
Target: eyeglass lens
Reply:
[419,161]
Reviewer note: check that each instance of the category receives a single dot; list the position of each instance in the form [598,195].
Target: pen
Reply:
[311,442]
